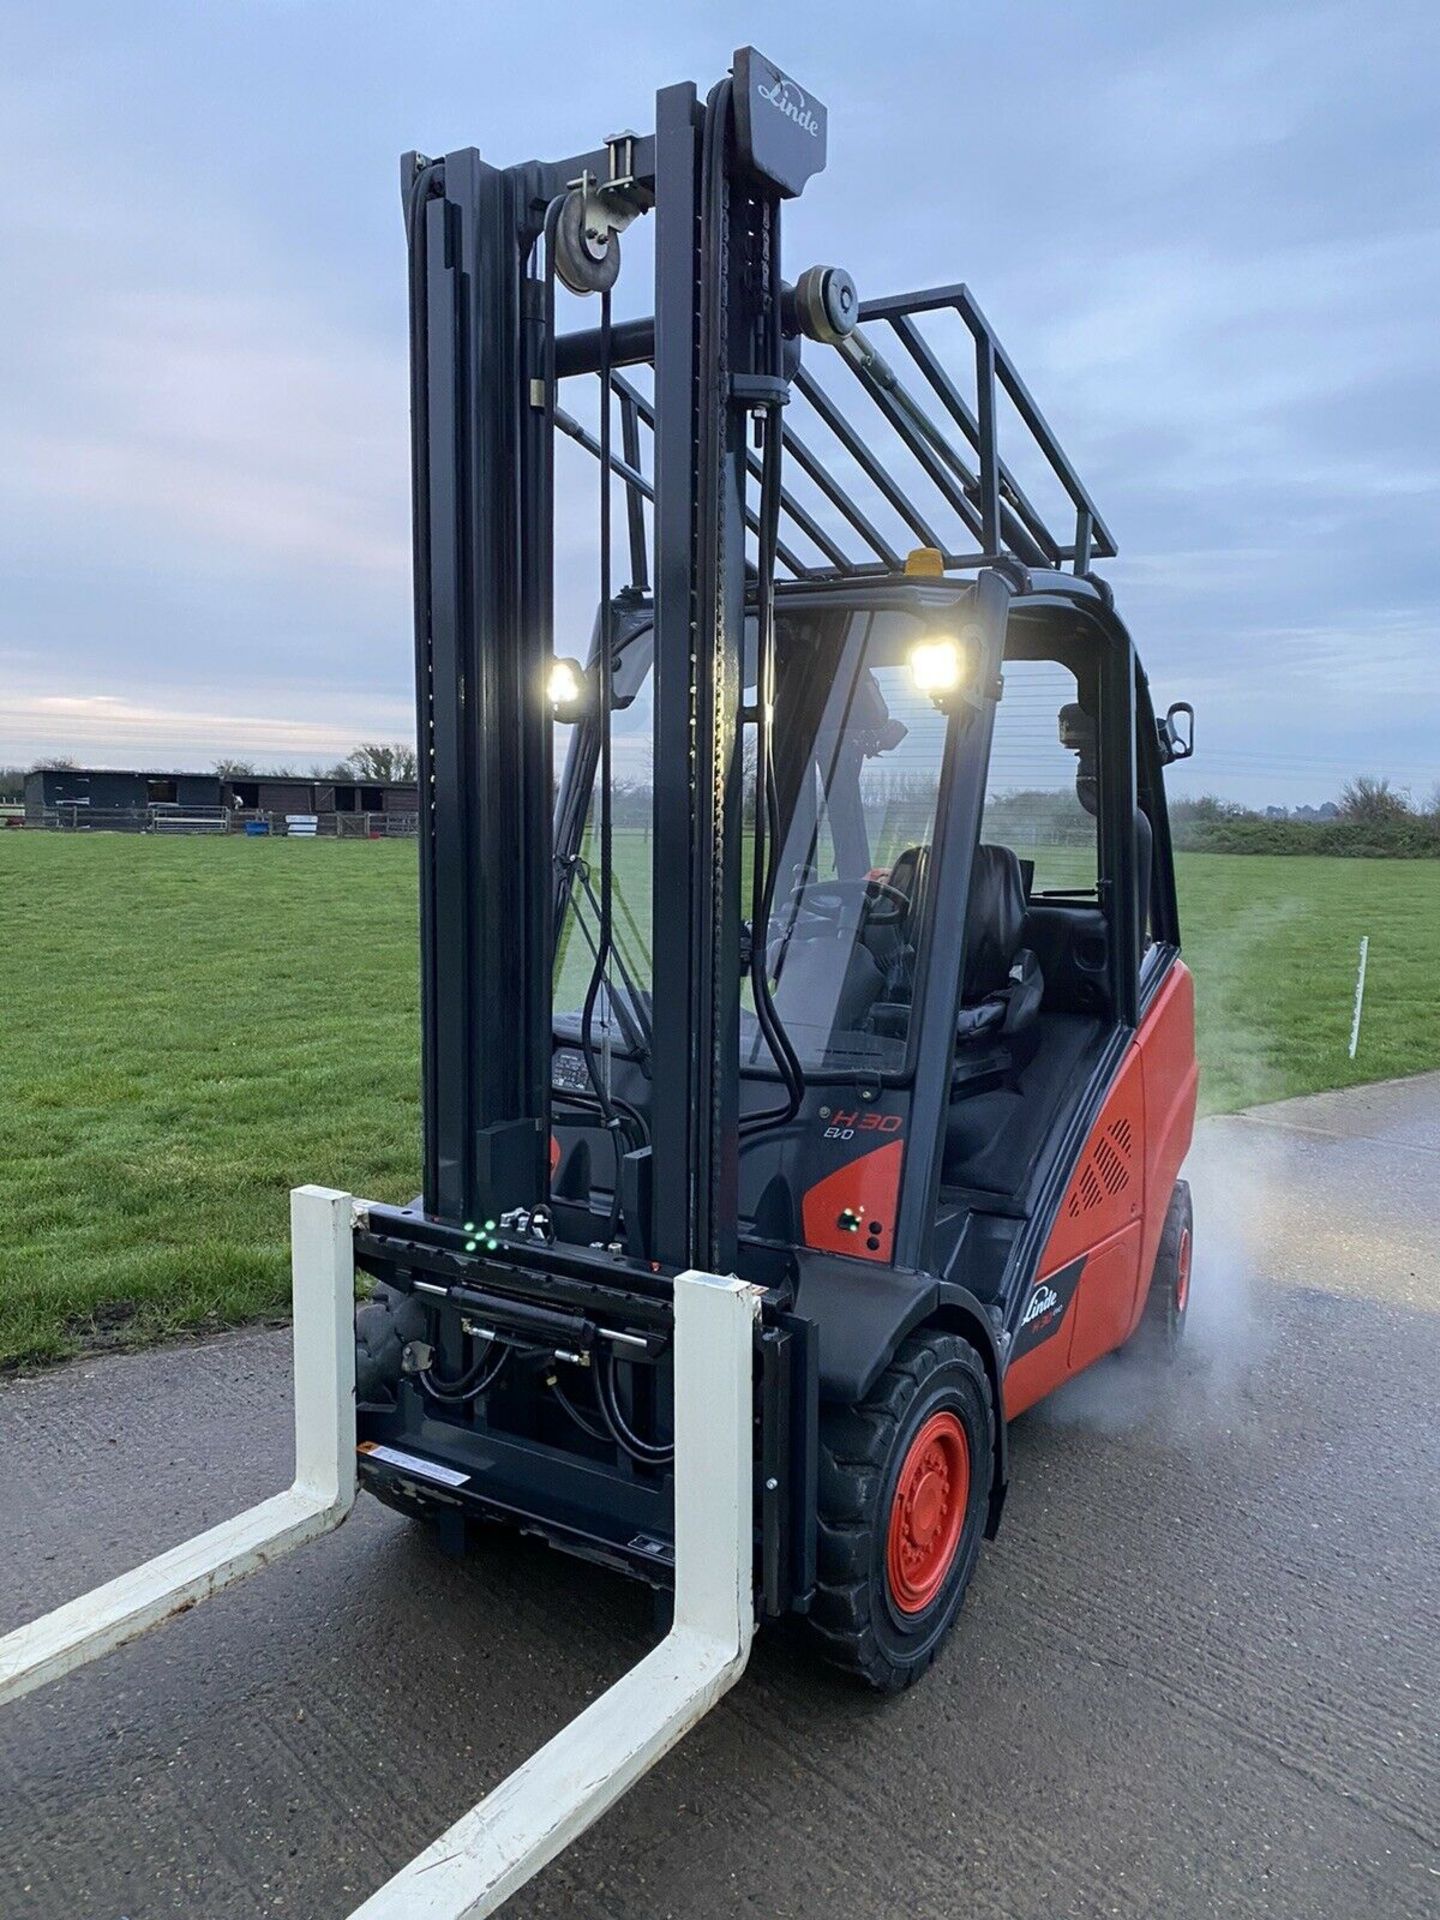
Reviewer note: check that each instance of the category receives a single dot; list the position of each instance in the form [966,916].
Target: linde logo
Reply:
[791,102]
[1042,1301]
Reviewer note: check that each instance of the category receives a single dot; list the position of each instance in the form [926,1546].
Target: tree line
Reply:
[1370,818]
[378,760]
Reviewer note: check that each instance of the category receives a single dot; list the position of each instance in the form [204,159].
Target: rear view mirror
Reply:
[1176,732]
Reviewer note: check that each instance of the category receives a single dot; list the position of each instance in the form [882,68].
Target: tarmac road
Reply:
[1197,1674]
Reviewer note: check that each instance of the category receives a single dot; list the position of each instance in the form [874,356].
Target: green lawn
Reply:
[1274,942]
[192,1027]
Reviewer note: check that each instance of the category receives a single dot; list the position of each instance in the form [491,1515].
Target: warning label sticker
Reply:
[412,1463]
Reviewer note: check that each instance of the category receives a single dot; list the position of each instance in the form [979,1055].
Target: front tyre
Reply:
[383,1324]
[904,1489]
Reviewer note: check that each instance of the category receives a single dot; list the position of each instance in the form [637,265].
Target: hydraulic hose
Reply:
[632,1120]
[767,810]
[582,1420]
[621,1432]
[469,1386]
[600,972]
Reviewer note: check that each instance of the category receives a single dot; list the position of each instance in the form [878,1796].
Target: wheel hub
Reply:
[927,1515]
[1182,1272]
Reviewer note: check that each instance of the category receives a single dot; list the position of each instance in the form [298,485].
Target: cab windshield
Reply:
[858,751]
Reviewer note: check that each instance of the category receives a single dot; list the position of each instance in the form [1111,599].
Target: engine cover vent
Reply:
[1107,1168]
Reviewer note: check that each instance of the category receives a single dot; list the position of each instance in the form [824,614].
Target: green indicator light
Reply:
[469,1226]
[469,1246]
[493,1245]
[489,1226]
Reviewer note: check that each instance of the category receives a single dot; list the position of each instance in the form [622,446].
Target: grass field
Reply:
[192,1027]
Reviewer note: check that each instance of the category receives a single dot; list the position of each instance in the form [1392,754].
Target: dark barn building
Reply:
[271,795]
[132,799]
[104,790]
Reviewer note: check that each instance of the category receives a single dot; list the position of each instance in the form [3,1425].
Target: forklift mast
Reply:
[486,247]
[483,419]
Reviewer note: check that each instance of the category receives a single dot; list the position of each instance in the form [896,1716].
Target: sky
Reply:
[1209,237]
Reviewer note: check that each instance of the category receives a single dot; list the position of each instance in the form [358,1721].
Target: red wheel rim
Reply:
[927,1516]
[1182,1271]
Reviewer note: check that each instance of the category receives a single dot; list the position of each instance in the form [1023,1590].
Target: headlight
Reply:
[939,665]
[567,688]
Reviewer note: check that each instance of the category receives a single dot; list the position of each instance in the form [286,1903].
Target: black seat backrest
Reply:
[994,922]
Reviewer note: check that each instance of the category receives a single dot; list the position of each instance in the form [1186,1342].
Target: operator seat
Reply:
[1002,986]
[1015,1065]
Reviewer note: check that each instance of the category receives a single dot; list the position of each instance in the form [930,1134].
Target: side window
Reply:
[1033,790]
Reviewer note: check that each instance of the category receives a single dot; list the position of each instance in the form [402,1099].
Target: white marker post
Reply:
[1359,995]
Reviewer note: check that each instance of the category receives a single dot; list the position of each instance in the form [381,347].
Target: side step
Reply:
[533,1814]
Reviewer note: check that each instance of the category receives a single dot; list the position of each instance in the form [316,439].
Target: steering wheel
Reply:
[881,904]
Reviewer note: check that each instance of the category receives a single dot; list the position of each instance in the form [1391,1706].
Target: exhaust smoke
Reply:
[1207,1389]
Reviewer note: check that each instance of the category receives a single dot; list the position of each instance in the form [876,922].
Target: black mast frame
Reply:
[486,379]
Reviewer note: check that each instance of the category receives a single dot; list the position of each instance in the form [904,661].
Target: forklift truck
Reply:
[793,1117]
[814,1020]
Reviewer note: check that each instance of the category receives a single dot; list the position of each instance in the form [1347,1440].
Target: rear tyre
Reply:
[1162,1325]
[904,1488]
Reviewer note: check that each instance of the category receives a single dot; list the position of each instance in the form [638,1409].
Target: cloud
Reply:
[1281,327]
[115,729]
[1227,90]
[198,429]
[245,430]
[1208,240]
[205,482]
